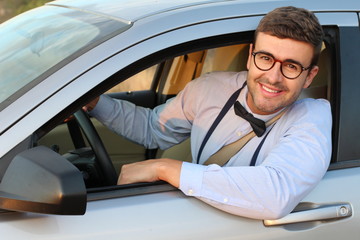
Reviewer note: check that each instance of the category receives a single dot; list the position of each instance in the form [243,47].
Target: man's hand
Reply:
[88,107]
[91,105]
[152,170]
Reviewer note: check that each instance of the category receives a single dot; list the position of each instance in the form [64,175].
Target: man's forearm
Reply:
[152,170]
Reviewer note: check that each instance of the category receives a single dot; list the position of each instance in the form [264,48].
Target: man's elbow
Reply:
[277,214]
[279,211]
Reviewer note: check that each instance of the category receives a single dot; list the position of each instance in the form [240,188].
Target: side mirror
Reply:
[42,181]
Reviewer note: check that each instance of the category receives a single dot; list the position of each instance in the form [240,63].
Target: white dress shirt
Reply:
[293,159]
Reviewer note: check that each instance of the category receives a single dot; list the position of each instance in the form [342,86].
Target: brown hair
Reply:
[294,23]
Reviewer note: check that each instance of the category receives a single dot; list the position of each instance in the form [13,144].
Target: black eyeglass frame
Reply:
[281,66]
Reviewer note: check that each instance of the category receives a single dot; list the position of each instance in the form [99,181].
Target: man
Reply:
[296,153]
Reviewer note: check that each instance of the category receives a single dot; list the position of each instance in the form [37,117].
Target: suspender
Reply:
[221,115]
[256,153]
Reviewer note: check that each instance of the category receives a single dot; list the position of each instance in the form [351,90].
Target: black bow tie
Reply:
[258,125]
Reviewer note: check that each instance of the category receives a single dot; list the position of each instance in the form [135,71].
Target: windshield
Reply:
[37,43]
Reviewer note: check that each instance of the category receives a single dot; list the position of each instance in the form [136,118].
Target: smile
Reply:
[269,89]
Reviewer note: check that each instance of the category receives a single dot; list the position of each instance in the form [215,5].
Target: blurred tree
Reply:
[29,4]
[11,8]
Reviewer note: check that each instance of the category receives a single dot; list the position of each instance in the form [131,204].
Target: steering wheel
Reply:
[102,156]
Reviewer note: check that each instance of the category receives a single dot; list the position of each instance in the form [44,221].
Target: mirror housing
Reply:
[41,181]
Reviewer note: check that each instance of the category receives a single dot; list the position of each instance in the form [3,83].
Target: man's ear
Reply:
[310,77]
[249,57]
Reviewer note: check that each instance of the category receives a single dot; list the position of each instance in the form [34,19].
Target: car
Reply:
[58,167]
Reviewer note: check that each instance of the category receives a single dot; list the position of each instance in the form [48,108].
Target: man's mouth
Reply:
[269,90]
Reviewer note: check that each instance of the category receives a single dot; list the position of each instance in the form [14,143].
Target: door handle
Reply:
[308,212]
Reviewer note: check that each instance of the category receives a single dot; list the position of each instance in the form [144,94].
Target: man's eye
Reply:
[291,66]
[266,58]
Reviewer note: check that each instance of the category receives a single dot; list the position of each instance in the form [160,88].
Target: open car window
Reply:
[153,86]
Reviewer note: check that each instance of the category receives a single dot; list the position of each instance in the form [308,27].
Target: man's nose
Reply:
[274,74]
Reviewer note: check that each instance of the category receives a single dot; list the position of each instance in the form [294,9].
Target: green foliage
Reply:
[10,8]
[29,4]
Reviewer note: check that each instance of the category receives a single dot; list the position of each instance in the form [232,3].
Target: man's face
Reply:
[269,91]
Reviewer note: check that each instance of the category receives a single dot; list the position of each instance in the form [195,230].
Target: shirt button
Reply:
[191,192]
[239,133]
[226,200]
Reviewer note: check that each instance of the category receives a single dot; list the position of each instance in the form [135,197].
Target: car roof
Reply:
[133,10]
[129,10]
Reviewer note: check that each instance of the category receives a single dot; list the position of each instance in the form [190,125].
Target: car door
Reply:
[158,211]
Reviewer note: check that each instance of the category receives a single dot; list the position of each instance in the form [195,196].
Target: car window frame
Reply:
[179,50]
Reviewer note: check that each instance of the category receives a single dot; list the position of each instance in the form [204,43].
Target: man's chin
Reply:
[267,109]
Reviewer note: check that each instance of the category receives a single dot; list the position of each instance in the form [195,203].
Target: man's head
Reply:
[283,58]
[294,23]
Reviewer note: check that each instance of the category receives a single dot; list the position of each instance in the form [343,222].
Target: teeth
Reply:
[269,90]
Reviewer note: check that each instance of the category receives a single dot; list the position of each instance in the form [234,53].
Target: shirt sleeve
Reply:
[162,127]
[289,171]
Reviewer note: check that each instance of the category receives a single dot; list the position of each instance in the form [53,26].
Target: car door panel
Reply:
[332,191]
[171,215]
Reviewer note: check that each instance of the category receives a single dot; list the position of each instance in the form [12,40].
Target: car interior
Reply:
[171,76]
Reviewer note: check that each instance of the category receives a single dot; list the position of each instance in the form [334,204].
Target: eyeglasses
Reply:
[289,69]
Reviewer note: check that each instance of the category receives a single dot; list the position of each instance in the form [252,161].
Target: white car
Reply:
[58,178]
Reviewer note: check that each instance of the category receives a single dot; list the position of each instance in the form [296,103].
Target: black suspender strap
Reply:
[221,115]
[256,153]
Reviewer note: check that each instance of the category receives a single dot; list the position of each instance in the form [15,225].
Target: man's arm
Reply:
[292,162]
[161,127]
[270,190]
[152,170]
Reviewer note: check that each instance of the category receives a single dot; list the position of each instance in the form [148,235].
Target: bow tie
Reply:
[258,125]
